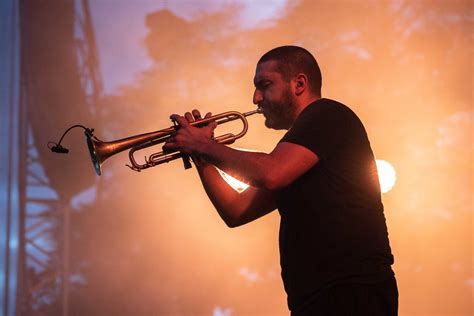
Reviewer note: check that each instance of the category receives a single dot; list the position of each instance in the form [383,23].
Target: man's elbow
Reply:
[233,223]
[274,181]
[230,219]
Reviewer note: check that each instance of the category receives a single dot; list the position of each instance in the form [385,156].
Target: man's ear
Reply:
[300,83]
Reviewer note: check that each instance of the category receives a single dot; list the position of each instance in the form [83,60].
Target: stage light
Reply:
[387,175]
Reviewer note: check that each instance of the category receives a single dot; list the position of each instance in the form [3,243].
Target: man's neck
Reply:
[304,103]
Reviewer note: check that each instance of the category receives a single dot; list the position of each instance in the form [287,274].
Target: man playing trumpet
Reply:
[322,178]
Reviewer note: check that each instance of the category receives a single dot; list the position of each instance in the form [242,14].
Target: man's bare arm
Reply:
[272,171]
[234,208]
[266,173]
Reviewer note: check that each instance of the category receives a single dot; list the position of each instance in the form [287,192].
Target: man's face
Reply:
[274,96]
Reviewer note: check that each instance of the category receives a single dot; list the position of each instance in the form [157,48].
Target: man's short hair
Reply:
[292,60]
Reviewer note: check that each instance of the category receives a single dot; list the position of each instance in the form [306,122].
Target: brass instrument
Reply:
[100,151]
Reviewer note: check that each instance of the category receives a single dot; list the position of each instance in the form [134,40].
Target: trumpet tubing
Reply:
[100,150]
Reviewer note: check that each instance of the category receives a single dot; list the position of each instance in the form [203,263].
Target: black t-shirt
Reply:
[332,227]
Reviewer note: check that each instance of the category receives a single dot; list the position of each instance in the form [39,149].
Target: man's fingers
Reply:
[168,146]
[189,117]
[182,121]
[196,114]
[212,126]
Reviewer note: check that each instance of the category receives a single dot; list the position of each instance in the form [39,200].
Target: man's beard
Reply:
[280,114]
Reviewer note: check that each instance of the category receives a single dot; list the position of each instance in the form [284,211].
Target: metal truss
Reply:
[88,60]
[43,268]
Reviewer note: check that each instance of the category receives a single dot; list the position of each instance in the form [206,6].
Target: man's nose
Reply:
[257,97]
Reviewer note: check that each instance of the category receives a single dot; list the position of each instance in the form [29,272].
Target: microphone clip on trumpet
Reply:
[99,150]
[57,148]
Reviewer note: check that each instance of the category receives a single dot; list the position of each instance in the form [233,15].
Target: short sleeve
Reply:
[319,128]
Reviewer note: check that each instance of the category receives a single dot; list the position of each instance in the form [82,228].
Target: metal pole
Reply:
[22,297]
[65,279]
[10,132]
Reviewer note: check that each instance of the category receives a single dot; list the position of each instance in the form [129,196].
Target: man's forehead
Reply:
[269,66]
[266,70]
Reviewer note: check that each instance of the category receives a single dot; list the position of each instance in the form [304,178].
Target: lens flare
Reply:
[237,185]
[387,175]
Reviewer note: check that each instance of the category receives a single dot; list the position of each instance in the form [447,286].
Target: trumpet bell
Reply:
[94,153]
[99,151]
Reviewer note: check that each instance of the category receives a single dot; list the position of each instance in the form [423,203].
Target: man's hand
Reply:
[189,139]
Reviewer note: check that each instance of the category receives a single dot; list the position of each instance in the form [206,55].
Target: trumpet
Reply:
[100,150]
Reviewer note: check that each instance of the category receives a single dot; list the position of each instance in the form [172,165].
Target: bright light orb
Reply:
[387,175]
